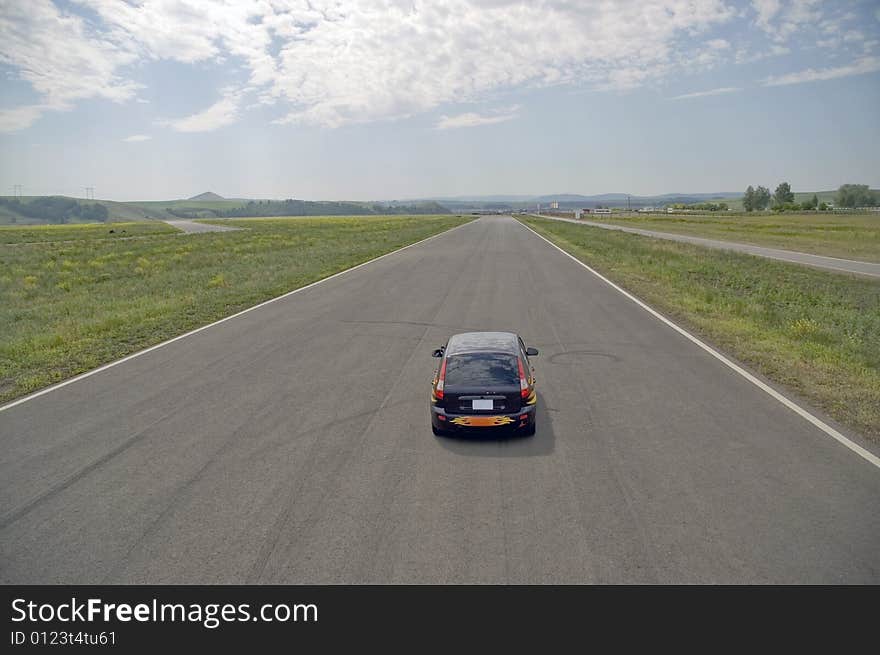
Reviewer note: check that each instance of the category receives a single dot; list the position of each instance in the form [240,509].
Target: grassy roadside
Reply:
[849,236]
[73,304]
[812,331]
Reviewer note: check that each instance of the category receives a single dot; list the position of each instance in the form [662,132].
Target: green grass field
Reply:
[68,305]
[850,236]
[815,332]
[78,231]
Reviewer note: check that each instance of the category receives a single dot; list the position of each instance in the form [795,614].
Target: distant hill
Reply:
[207,195]
[35,210]
[576,201]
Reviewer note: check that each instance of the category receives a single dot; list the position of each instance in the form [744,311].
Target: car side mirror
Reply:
[531,352]
[437,353]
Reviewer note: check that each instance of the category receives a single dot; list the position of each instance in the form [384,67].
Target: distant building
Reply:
[554,204]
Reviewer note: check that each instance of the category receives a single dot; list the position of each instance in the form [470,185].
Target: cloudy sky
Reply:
[380,99]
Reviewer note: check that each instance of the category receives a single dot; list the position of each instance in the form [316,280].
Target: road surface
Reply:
[869,269]
[291,444]
[191,227]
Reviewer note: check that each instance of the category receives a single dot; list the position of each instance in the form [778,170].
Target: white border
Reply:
[82,376]
[793,406]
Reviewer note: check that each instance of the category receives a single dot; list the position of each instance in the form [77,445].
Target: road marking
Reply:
[104,367]
[793,406]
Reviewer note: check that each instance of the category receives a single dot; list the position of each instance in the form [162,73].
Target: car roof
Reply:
[466,342]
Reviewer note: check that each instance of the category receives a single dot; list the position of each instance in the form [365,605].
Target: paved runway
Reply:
[869,269]
[291,444]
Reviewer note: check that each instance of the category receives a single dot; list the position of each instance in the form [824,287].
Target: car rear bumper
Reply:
[442,420]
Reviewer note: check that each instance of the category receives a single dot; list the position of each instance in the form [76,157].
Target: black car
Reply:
[484,381]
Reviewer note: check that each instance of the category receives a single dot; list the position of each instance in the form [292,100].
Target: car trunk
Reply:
[460,400]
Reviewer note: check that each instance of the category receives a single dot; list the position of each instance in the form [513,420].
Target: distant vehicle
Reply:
[484,381]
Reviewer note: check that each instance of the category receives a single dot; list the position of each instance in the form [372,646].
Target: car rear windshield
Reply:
[481,369]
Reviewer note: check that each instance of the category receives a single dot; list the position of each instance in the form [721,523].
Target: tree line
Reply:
[57,209]
[782,199]
[856,195]
[702,206]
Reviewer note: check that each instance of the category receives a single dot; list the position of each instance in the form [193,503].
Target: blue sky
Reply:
[374,99]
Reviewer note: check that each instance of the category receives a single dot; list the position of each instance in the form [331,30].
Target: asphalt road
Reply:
[292,445]
[191,227]
[869,269]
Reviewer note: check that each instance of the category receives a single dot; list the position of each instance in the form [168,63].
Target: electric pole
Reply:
[16,191]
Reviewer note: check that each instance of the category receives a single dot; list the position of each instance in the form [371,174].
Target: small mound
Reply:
[208,195]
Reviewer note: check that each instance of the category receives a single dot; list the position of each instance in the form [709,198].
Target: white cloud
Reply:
[743,56]
[60,57]
[332,63]
[136,138]
[783,20]
[766,10]
[382,59]
[221,113]
[472,119]
[710,92]
[859,67]
[854,35]
[338,62]
[713,51]
[828,44]
[19,118]
[799,14]
[718,44]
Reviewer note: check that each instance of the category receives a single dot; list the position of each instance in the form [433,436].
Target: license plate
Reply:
[483,404]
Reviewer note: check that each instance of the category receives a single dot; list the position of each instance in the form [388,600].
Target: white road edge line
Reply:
[793,406]
[104,367]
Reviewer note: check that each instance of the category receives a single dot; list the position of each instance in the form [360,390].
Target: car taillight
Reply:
[524,390]
[438,390]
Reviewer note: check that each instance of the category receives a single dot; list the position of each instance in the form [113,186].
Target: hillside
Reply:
[208,195]
[15,211]
[63,209]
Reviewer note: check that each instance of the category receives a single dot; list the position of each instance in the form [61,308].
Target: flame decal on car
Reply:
[481,421]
